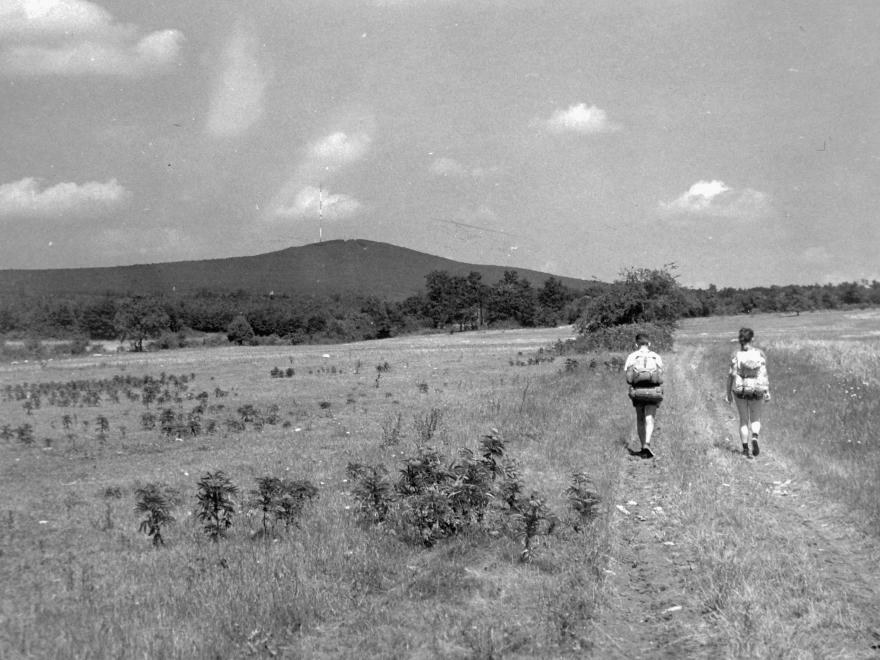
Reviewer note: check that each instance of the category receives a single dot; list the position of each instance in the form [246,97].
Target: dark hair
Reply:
[746,335]
[642,339]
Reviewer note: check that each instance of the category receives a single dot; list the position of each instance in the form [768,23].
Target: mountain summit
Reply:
[355,266]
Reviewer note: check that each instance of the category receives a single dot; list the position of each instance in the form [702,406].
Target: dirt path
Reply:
[652,610]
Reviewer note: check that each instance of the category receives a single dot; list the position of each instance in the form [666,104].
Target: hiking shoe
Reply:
[746,451]
[647,453]
[755,448]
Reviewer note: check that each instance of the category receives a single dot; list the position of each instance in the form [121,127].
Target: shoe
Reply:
[647,453]
[746,451]
[755,448]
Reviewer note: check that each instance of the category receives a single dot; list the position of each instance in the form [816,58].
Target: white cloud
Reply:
[338,149]
[322,161]
[237,103]
[448,167]
[25,198]
[581,119]
[28,18]
[718,200]
[311,202]
[74,37]
[816,254]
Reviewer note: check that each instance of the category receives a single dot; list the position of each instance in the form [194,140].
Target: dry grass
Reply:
[80,581]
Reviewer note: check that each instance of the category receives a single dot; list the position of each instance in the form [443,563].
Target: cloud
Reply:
[581,119]
[322,160]
[25,198]
[75,37]
[338,149]
[311,202]
[237,102]
[51,18]
[816,254]
[716,199]
[449,167]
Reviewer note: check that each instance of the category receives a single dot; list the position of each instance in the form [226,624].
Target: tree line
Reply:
[447,302]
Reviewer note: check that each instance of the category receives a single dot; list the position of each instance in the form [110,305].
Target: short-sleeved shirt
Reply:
[750,355]
[643,350]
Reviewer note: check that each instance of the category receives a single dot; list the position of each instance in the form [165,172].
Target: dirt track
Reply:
[654,610]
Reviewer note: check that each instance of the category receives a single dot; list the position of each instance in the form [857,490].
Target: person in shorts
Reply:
[750,403]
[645,411]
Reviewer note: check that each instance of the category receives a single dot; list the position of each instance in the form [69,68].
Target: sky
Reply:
[739,141]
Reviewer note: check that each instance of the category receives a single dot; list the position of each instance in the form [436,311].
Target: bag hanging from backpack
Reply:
[650,394]
[645,370]
[750,375]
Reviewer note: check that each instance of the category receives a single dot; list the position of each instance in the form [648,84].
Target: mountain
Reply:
[356,266]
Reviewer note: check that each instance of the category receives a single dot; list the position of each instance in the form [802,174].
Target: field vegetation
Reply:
[457,496]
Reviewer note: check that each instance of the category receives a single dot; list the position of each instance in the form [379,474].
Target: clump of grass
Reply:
[391,429]
[427,424]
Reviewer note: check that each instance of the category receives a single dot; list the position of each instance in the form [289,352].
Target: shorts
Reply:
[750,397]
[643,404]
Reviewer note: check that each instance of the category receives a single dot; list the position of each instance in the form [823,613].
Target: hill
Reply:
[340,266]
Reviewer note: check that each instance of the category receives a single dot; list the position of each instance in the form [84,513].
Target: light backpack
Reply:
[750,374]
[645,371]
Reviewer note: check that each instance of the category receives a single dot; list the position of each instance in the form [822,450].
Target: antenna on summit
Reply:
[320,212]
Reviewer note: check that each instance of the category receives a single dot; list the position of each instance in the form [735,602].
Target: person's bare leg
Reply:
[755,408]
[742,407]
[640,424]
[650,413]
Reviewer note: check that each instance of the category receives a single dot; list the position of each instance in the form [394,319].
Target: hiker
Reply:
[749,386]
[644,373]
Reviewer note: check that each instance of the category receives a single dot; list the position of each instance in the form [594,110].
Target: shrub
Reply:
[619,338]
[153,503]
[641,295]
[239,331]
[432,500]
[583,499]
[216,508]
[372,490]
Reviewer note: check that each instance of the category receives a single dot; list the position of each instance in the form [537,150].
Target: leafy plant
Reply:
[281,500]
[371,490]
[25,434]
[583,498]
[152,502]
[533,519]
[216,508]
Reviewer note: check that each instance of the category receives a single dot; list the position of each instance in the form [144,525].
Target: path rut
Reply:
[652,609]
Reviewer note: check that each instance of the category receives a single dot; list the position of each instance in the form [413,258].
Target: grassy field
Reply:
[695,554]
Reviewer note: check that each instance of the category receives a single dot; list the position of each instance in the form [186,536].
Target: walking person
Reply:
[748,385]
[644,373]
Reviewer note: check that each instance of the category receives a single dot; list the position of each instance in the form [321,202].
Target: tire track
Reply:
[651,609]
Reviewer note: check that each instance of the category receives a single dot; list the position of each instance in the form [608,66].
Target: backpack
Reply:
[750,374]
[645,371]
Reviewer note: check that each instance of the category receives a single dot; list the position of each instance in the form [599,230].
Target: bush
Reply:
[432,500]
[641,296]
[619,338]
[239,331]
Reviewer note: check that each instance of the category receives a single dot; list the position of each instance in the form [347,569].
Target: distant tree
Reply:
[239,330]
[97,319]
[512,298]
[641,295]
[137,319]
